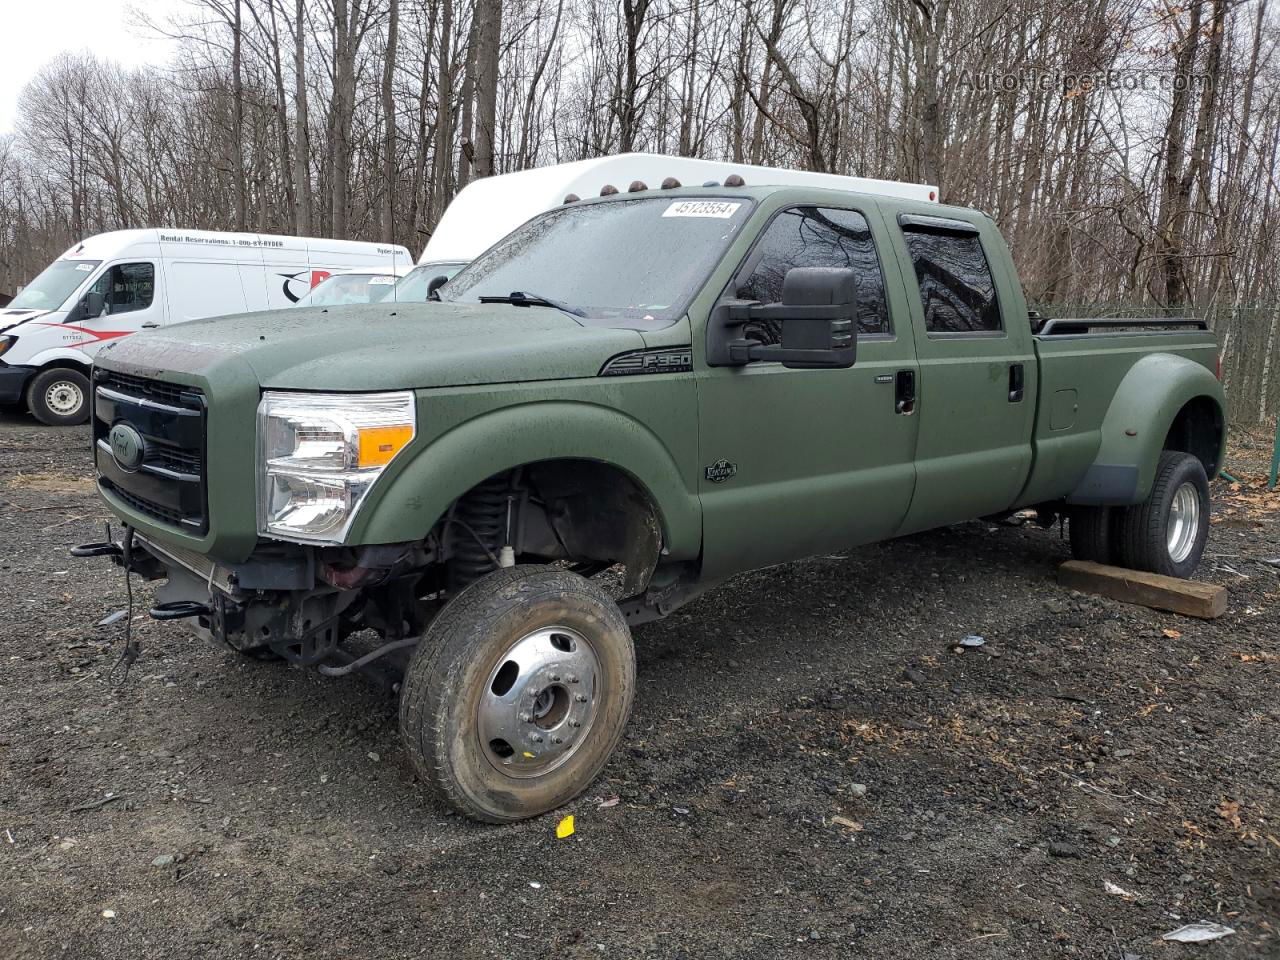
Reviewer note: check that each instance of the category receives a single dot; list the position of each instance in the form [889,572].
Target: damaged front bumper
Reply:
[274,600]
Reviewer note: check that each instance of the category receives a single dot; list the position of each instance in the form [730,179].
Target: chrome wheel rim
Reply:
[1184,522]
[539,702]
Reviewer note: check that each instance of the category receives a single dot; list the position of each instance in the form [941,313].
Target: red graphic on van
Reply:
[95,334]
[311,278]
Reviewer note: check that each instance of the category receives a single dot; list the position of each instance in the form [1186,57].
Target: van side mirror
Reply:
[94,304]
[818,317]
[89,306]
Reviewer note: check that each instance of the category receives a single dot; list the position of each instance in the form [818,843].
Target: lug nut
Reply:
[572,678]
[536,738]
[581,698]
[575,723]
[526,718]
[555,678]
[557,740]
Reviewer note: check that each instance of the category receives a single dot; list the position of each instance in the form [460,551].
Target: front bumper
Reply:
[273,600]
[13,382]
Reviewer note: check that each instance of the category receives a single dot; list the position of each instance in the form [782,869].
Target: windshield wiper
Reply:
[520,298]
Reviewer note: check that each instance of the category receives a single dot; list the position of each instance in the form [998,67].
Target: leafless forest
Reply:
[1128,148]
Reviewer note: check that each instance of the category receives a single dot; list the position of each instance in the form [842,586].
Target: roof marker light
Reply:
[733,180]
[571,198]
[670,183]
[933,194]
[608,190]
[712,183]
[636,186]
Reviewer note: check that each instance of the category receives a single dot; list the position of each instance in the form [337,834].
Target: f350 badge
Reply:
[721,470]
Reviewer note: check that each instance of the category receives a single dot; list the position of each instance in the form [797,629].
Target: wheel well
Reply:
[591,513]
[1197,430]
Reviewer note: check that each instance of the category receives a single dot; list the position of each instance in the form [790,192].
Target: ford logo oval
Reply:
[127,447]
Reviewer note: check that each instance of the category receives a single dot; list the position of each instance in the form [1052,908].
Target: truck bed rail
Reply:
[1115,326]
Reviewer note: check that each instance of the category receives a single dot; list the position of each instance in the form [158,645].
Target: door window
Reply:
[956,287]
[816,237]
[126,287]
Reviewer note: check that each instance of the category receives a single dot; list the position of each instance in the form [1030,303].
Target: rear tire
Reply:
[518,693]
[59,397]
[1092,533]
[1167,532]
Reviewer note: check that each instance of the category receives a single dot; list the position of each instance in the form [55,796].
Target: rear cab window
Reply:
[957,289]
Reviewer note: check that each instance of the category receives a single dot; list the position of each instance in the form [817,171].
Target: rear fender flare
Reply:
[1137,424]
[406,505]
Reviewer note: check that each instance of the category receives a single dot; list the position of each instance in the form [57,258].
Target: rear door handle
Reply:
[905,392]
[150,326]
[1016,382]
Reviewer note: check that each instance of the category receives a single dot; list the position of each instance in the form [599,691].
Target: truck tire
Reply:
[59,397]
[1166,533]
[1092,533]
[518,693]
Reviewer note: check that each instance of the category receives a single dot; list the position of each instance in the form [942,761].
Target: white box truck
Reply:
[115,284]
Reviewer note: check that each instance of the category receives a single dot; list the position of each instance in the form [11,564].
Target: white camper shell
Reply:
[487,210]
[115,284]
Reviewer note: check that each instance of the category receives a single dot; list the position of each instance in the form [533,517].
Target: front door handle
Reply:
[1016,382]
[905,392]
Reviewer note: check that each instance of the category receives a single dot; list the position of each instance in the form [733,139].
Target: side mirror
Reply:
[94,304]
[436,283]
[817,316]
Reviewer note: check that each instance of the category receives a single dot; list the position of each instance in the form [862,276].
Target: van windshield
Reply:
[55,283]
[343,288]
[638,260]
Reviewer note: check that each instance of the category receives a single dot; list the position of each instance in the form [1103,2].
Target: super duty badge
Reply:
[721,470]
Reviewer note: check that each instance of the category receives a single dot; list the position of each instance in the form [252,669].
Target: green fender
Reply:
[1137,423]
[404,506]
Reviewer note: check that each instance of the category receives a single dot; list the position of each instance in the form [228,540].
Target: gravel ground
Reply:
[810,770]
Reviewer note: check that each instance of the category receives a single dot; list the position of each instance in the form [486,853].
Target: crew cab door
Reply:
[977,381]
[798,462]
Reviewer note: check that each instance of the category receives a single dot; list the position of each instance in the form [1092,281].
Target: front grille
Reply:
[168,484]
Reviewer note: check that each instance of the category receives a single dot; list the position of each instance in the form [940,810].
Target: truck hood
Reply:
[383,346]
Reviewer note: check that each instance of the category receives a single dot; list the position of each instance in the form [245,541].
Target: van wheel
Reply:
[59,397]
[518,693]
[1167,532]
[1093,535]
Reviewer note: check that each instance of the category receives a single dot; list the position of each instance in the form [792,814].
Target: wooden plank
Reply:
[1203,600]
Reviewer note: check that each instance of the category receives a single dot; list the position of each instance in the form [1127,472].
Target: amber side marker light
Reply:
[379,444]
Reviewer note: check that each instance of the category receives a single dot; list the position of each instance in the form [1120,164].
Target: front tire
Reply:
[1167,532]
[518,693]
[59,397]
[1092,533]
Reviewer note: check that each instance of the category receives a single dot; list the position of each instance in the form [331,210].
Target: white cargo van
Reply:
[118,283]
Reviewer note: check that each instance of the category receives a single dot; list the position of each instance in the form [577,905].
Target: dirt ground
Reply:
[810,769]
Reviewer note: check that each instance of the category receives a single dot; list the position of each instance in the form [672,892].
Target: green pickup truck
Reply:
[673,385]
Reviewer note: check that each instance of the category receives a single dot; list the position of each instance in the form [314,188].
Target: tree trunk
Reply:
[488,40]
[301,136]
[389,127]
[238,176]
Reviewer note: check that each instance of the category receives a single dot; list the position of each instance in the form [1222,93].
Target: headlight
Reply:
[6,343]
[318,455]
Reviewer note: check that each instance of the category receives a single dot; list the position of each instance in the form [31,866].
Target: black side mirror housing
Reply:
[91,306]
[435,284]
[818,316]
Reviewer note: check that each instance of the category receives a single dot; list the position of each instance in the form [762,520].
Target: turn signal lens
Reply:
[6,343]
[379,444]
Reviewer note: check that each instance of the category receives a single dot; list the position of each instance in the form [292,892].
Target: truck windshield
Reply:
[640,260]
[54,284]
